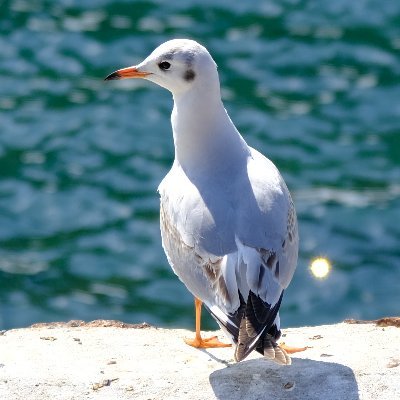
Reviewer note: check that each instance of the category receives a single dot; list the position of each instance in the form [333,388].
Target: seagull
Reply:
[228,222]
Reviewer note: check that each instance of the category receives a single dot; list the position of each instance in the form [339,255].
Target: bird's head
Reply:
[177,65]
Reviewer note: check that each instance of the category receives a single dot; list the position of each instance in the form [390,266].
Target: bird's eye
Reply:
[164,65]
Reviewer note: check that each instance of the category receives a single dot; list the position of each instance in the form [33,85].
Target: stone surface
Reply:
[112,360]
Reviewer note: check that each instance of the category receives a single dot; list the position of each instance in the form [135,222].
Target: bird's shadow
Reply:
[304,379]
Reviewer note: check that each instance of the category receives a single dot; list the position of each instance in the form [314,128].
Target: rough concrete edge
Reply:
[98,323]
[103,323]
[382,322]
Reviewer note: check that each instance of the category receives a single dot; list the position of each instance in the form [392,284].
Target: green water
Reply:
[314,85]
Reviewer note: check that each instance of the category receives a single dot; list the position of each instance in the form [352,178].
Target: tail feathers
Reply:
[252,327]
[247,340]
[273,352]
[257,319]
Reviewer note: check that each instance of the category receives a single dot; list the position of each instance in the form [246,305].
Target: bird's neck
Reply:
[205,138]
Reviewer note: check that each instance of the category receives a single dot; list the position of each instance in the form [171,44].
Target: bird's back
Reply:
[239,249]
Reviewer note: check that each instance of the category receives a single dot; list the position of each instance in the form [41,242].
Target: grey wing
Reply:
[267,249]
[259,279]
[199,270]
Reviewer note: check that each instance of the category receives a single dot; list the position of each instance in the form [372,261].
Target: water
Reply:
[313,85]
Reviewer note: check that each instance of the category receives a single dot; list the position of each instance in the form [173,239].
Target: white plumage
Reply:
[228,223]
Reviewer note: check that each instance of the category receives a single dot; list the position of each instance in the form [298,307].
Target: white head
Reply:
[178,65]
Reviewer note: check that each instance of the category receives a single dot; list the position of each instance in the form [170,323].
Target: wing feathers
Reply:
[260,294]
[271,350]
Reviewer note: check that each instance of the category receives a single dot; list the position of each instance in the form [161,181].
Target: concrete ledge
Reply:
[113,360]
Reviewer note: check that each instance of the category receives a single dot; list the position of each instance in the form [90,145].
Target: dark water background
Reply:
[314,85]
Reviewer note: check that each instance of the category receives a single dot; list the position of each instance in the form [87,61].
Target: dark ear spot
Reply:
[189,75]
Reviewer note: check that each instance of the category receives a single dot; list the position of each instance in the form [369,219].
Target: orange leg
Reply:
[198,341]
[290,349]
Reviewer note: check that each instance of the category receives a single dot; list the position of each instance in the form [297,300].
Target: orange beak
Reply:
[124,73]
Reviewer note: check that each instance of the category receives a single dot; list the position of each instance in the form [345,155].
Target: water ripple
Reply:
[314,85]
